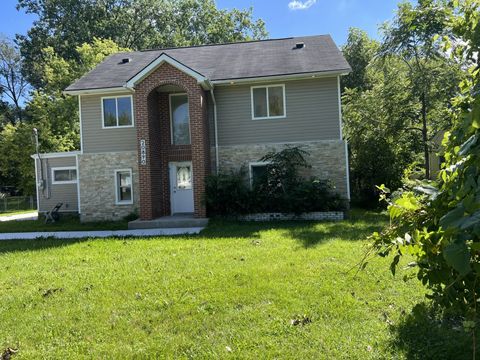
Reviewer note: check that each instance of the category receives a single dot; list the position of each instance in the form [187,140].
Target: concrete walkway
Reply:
[19,217]
[99,234]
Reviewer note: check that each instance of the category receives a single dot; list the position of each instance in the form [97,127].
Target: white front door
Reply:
[181,187]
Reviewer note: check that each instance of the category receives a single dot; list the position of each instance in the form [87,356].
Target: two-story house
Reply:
[155,123]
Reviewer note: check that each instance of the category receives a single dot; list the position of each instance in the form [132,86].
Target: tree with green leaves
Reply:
[359,51]
[376,122]
[440,226]
[414,37]
[384,115]
[13,85]
[54,114]
[136,24]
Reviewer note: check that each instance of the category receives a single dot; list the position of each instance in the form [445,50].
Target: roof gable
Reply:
[164,58]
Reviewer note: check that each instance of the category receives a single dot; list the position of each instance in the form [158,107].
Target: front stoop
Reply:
[168,222]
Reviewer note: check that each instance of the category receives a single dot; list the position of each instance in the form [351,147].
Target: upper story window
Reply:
[268,102]
[64,175]
[180,119]
[117,111]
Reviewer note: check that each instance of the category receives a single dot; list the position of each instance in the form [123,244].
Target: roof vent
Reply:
[126,60]
[299,45]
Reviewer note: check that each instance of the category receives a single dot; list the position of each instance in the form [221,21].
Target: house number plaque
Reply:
[143,152]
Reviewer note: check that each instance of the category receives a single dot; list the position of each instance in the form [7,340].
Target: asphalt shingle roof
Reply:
[225,61]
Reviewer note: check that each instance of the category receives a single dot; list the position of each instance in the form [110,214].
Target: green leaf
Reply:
[467,145]
[458,257]
[408,201]
[393,265]
[453,218]
[430,191]
[470,221]
[475,246]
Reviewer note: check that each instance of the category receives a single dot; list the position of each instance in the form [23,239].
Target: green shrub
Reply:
[280,189]
[227,194]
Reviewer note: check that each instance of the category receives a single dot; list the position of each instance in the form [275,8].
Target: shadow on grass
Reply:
[422,335]
[358,226]
[309,233]
[314,235]
[7,246]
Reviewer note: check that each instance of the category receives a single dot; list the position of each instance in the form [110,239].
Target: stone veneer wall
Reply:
[326,157]
[315,216]
[97,185]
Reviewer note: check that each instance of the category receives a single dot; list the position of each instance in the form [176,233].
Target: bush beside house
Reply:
[282,188]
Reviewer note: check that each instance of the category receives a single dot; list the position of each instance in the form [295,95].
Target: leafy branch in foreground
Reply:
[440,227]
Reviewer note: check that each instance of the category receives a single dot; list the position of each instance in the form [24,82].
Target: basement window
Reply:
[123,187]
[268,102]
[258,170]
[117,112]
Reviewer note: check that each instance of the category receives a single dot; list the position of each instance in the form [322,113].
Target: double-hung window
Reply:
[123,187]
[268,102]
[117,112]
[64,175]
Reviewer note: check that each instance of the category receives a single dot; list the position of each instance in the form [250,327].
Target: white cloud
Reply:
[300,5]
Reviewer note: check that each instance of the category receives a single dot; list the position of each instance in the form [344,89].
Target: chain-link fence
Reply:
[17,203]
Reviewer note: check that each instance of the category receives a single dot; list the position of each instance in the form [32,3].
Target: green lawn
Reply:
[66,223]
[15,212]
[230,292]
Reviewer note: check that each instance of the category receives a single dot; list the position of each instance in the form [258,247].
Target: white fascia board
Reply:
[164,58]
[56,155]
[112,90]
[263,79]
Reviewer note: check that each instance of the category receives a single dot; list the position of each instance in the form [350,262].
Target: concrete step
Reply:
[168,222]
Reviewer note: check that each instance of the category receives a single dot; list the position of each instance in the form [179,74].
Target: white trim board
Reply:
[274,78]
[37,190]
[56,155]
[164,58]
[78,185]
[80,120]
[207,84]
[111,90]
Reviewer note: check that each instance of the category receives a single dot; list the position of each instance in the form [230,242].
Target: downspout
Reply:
[43,182]
[216,128]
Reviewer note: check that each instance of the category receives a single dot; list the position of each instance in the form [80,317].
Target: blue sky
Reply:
[283,17]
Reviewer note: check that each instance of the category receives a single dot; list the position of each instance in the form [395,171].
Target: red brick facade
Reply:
[152,121]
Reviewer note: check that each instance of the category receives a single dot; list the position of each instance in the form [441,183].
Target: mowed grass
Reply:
[17,212]
[230,292]
[66,223]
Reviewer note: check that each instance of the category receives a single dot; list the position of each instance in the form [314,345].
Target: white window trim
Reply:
[63,168]
[268,106]
[171,117]
[252,164]
[116,110]
[122,202]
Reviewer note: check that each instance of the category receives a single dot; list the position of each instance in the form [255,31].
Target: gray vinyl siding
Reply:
[56,193]
[311,107]
[98,140]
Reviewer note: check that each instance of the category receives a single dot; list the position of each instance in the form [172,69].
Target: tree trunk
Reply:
[425,137]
